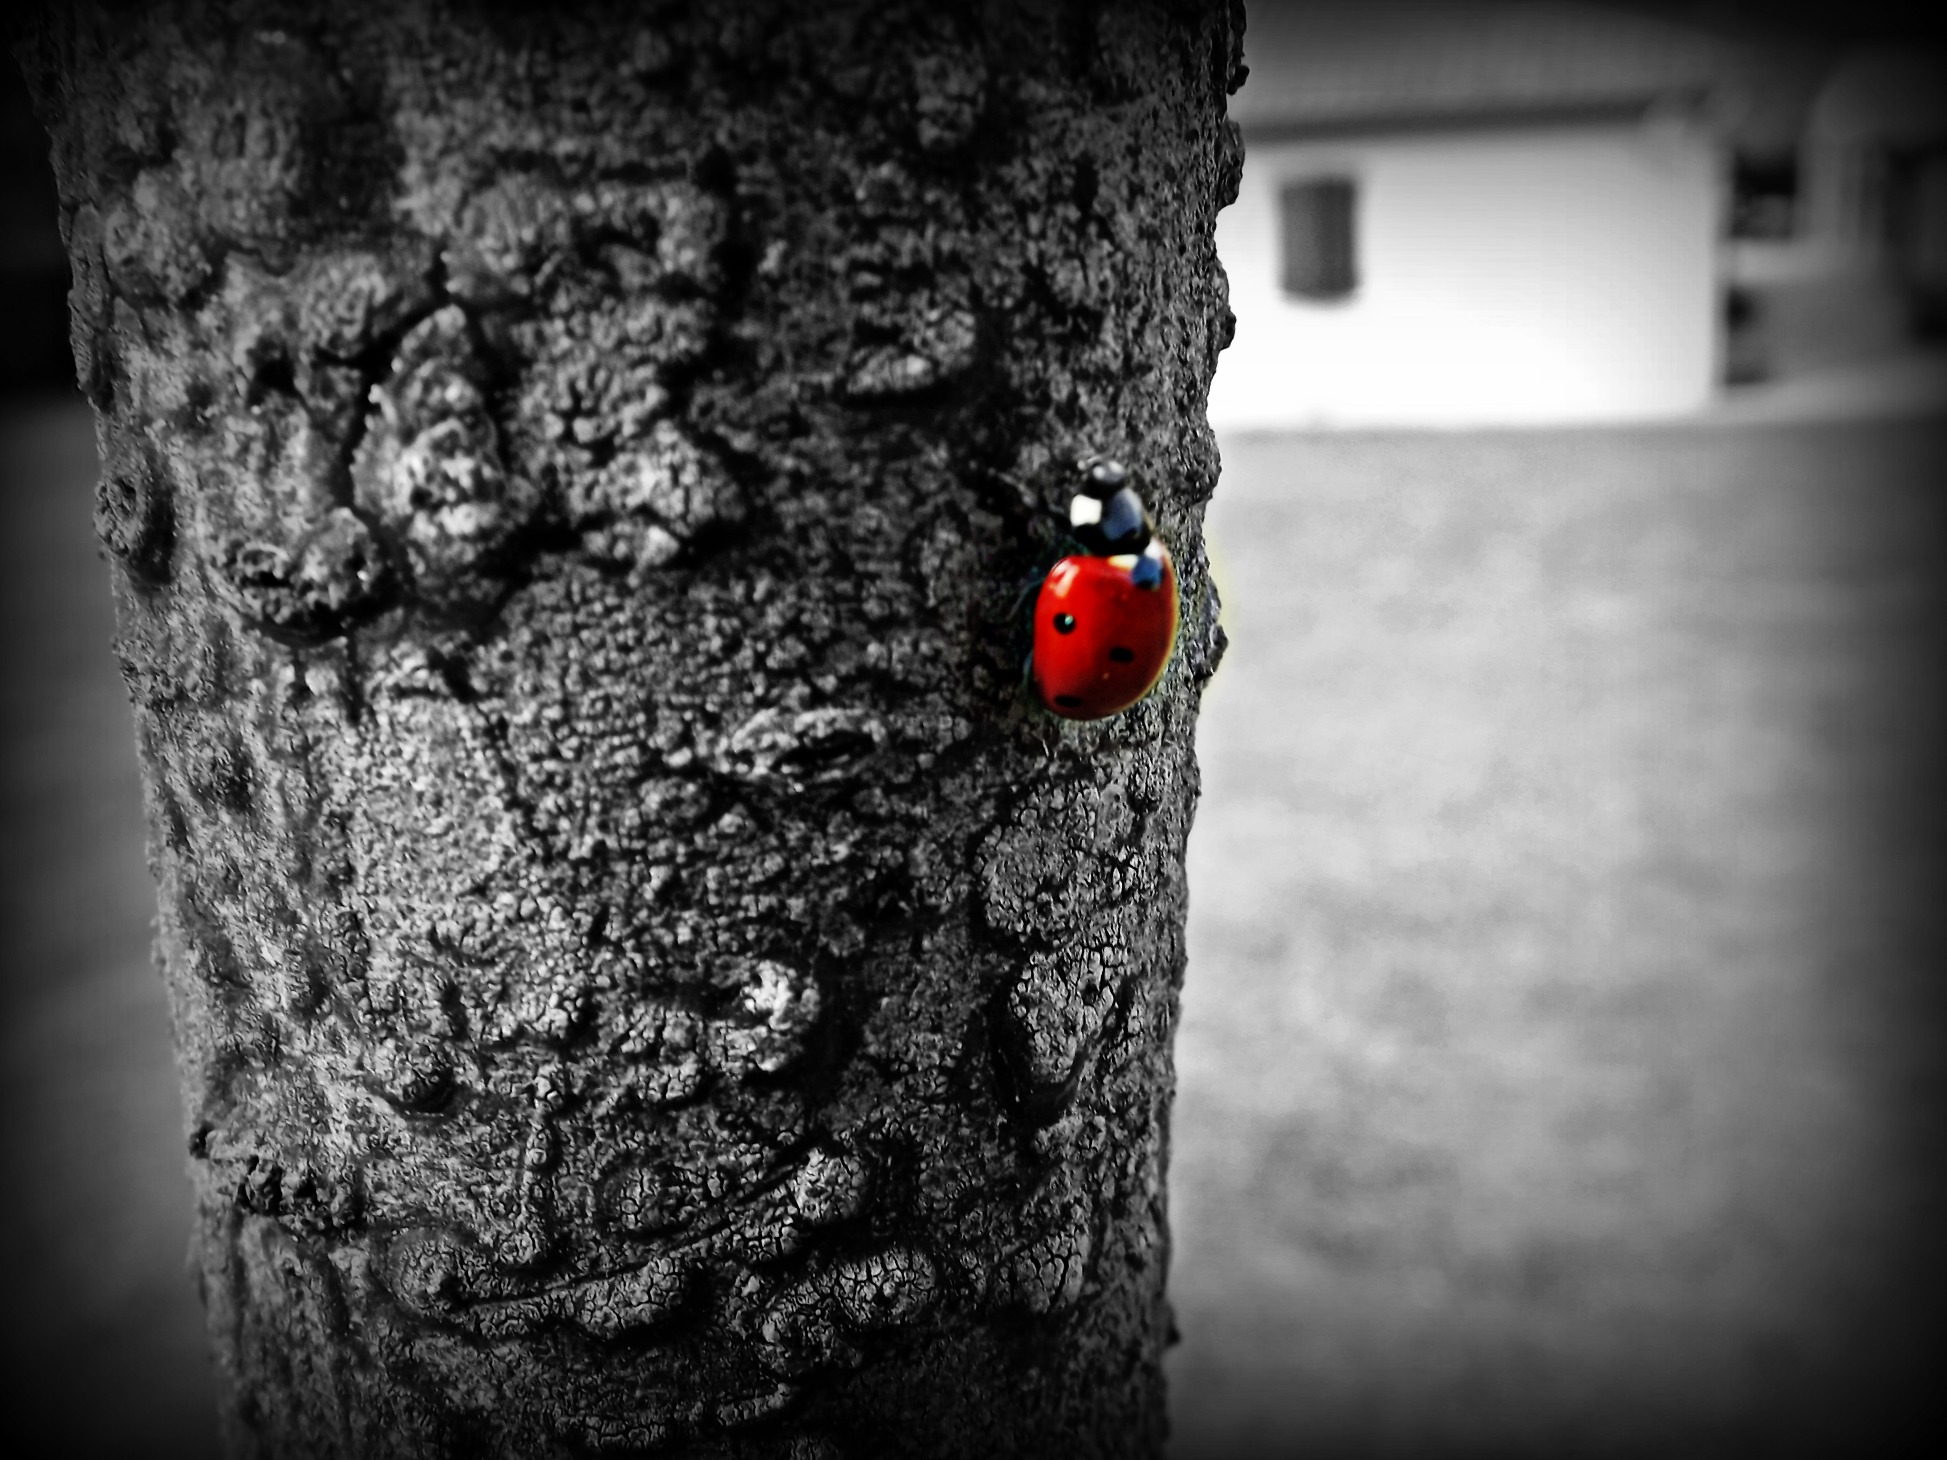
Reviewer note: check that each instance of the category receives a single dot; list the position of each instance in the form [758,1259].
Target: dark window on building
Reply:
[1317,216]
[1764,197]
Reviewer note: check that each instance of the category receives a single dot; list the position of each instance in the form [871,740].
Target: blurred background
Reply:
[1560,1069]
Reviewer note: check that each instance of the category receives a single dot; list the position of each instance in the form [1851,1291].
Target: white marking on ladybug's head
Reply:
[1084,511]
[1155,548]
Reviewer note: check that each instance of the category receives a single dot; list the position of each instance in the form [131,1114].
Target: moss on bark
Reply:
[646,977]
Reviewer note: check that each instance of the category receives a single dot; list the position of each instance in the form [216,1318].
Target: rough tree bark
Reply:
[645,974]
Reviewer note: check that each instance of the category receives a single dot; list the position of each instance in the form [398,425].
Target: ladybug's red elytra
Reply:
[1105,618]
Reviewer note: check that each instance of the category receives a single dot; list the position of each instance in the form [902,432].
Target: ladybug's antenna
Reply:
[1027,496]
[1005,479]
[1021,489]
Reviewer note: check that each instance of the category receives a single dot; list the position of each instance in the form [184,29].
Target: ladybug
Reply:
[1105,617]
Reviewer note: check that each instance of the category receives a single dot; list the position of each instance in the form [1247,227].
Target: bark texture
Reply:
[647,977]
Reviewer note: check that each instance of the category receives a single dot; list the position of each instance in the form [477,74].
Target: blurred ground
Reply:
[1559,1046]
[101,1327]
[1557,1053]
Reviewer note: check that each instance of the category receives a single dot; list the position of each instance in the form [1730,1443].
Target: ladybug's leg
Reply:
[1030,582]
[1029,585]
[1019,598]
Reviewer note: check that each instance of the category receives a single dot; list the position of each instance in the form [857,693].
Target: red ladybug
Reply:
[1105,618]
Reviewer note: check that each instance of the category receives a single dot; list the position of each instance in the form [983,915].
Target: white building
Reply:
[1857,266]
[1463,213]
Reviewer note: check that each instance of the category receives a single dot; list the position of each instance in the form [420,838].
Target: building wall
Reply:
[1512,274]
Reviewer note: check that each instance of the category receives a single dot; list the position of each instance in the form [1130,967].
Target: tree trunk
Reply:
[646,975]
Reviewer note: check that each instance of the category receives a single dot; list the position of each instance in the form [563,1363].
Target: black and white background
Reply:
[1560,1069]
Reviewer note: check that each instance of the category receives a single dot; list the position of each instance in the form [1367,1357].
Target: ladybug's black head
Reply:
[1105,513]
[1100,476]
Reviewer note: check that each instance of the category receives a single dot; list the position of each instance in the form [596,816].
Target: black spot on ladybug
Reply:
[1122,655]
[1068,702]
[1064,623]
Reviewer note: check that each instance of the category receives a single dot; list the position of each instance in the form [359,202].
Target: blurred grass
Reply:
[1558,1053]
[1558,1046]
